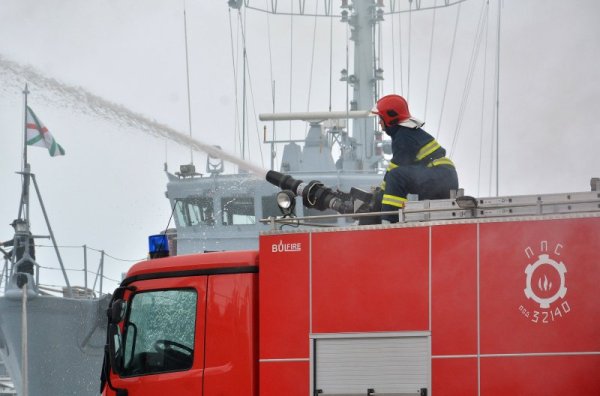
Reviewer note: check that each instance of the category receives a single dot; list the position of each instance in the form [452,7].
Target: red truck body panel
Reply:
[504,307]
[464,284]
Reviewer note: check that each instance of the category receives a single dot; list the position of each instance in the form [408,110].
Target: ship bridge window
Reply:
[195,211]
[159,332]
[238,210]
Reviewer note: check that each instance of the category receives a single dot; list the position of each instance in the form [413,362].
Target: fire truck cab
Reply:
[187,325]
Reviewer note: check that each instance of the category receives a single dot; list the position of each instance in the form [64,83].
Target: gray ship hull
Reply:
[65,343]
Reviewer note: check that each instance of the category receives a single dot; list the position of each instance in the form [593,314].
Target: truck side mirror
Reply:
[117,311]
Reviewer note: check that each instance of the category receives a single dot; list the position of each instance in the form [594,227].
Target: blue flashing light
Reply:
[158,246]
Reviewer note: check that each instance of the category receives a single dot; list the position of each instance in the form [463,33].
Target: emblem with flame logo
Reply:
[545,284]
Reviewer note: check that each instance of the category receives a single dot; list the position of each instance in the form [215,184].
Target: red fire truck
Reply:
[499,298]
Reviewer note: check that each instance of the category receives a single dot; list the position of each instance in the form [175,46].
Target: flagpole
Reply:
[25,204]
[25,171]
[25,93]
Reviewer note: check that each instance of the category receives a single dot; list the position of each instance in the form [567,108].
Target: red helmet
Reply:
[392,109]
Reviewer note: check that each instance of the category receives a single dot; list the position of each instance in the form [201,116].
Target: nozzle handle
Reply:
[285,182]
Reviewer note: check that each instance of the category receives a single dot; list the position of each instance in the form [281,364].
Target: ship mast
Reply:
[361,16]
[23,257]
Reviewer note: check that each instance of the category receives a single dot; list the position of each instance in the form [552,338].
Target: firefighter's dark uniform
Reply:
[418,166]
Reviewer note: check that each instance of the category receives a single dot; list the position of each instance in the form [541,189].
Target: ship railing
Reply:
[92,279]
[5,274]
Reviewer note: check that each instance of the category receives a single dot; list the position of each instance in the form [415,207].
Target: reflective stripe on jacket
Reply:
[393,200]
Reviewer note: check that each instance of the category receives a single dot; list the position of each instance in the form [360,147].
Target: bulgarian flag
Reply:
[38,135]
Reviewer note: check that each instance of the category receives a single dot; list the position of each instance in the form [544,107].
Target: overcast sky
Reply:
[108,190]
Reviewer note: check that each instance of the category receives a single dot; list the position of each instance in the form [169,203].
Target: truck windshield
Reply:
[159,332]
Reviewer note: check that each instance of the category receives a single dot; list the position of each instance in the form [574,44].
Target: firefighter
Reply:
[419,164]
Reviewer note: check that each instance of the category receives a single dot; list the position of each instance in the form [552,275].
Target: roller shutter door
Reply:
[395,365]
